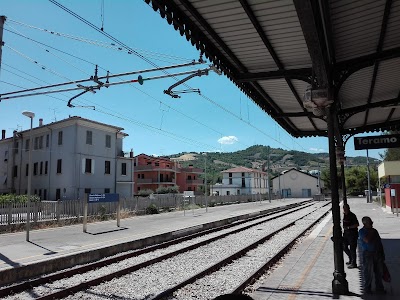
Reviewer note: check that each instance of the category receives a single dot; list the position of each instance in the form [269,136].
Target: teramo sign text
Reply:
[377,142]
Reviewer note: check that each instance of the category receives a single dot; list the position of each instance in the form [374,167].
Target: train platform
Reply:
[307,271]
[69,245]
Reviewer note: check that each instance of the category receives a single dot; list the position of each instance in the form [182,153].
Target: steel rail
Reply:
[20,287]
[238,254]
[257,274]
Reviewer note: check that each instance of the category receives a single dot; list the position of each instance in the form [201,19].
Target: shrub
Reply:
[168,190]
[152,210]
[145,193]
[13,198]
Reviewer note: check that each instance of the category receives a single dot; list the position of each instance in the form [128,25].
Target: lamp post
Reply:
[205,179]
[30,115]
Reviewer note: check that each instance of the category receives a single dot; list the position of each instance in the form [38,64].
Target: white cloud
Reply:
[317,150]
[228,140]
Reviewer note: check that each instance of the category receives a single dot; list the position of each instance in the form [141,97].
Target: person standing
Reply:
[373,256]
[350,236]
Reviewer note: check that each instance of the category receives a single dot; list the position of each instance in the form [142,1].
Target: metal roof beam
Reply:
[300,74]
[271,50]
[261,32]
[361,108]
[378,50]
[311,25]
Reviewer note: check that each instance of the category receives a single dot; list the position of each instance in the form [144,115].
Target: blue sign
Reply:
[95,198]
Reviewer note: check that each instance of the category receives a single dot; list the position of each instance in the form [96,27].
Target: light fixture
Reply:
[316,100]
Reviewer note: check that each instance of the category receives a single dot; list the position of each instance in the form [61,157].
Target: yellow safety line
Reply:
[307,271]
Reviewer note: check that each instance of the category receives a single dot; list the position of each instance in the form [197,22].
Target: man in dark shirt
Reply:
[350,236]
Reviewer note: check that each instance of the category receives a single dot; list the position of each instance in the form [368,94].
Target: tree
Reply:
[355,177]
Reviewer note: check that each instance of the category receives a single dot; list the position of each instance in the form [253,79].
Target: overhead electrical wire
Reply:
[187,116]
[148,61]
[141,124]
[111,46]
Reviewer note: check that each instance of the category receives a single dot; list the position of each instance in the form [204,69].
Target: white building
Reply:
[296,184]
[69,158]
[241,181]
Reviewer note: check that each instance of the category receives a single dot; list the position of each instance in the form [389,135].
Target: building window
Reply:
[46,165]
[44,194]
[16,146]
[88,191]
[242,174]
[59,165]
[230,174]
[35,192]
[142,176]
[60,137]
[35,168]
[27,142]
[15,172]
[106,191]
[40,193]
[189,177]
[107,167]
[88,165]
[243,182]
[36,144]
[149,163]
[108,141]
[89,135]
[41,168]
[47,144]
[123,169]
[58,194]
[228,193]
[157,164]
[138,176]
[230,180]
[27,170]
[41,142]
[189,188]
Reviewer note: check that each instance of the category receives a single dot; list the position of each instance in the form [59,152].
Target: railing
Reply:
[192,170]
[152,168]
[16,213]
[144,180]
[195,181]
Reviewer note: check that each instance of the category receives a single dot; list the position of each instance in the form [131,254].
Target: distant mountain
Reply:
[256,157]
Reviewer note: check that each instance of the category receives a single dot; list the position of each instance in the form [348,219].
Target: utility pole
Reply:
[369,198]
[2,20]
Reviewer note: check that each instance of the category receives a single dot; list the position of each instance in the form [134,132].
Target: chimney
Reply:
[131,153]
[40,122]
[3,134]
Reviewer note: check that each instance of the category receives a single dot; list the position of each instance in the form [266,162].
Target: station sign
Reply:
[377,142]
[95,198]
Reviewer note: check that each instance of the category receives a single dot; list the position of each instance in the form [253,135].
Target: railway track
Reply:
[54,286]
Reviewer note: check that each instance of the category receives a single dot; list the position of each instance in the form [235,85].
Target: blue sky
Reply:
[220,119]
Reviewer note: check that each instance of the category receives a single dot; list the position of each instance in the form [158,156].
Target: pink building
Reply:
[153,172]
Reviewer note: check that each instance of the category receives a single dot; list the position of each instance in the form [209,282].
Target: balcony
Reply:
[192,170]
[195,181]
[152,168]
[153,181]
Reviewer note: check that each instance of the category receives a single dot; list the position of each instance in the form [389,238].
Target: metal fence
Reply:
[16,213]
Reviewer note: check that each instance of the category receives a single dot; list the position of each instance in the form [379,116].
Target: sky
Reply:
[46,45]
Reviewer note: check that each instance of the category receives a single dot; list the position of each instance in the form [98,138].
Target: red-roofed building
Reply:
[241,181]
[153,172]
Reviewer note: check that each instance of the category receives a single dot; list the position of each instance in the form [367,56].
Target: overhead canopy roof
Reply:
[274,49]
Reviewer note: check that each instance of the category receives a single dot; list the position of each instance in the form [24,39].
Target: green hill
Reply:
[256,157]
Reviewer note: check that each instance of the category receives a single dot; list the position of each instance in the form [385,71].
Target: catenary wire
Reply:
[142,57]
[141,124]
